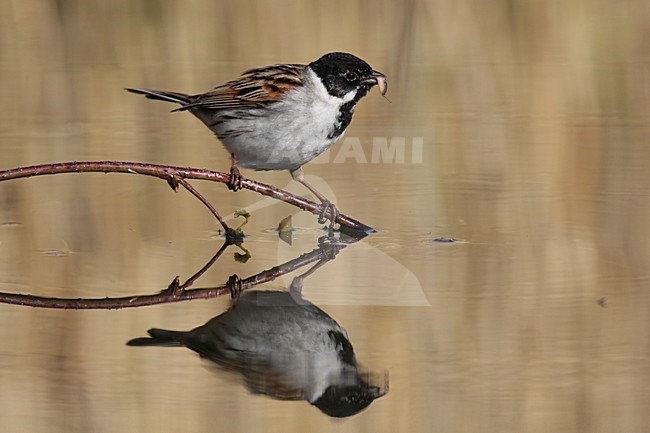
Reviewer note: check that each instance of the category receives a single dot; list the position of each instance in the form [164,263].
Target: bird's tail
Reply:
[161,95]
[159,337]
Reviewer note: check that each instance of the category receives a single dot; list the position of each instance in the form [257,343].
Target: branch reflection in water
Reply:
[177,292]
[284,346]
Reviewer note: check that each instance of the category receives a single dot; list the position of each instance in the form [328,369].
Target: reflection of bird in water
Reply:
[285,347]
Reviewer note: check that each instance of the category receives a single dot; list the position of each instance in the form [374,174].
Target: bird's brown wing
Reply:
[255,88]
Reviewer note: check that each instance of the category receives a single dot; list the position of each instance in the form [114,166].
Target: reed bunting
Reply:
[280,117]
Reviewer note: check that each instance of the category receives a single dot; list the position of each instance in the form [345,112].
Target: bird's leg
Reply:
[328,210]
[234,182]
[235,287]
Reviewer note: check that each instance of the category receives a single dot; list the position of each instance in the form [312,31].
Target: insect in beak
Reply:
[379,79]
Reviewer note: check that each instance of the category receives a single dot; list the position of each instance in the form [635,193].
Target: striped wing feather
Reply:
[255,88]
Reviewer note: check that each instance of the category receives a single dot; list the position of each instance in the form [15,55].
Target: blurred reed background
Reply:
[535,120]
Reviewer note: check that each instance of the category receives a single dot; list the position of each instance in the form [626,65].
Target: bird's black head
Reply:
[342,73]
[344,401]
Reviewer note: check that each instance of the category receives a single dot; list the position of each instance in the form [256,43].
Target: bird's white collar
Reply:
[314,81]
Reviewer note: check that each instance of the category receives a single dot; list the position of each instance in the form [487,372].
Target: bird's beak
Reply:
[379,388]
[379,79]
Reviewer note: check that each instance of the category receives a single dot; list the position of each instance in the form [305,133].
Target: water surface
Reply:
[533,121]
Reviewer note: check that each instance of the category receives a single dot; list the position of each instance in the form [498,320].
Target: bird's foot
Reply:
[234,285]
[234,182]
[328,212]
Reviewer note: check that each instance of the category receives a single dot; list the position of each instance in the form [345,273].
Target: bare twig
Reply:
[174,176]
[195,193]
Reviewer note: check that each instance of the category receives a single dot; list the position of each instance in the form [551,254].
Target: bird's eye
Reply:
[350,76]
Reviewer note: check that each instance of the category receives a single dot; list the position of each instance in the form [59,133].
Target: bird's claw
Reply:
[234,285]
[328,212]
[235,179]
